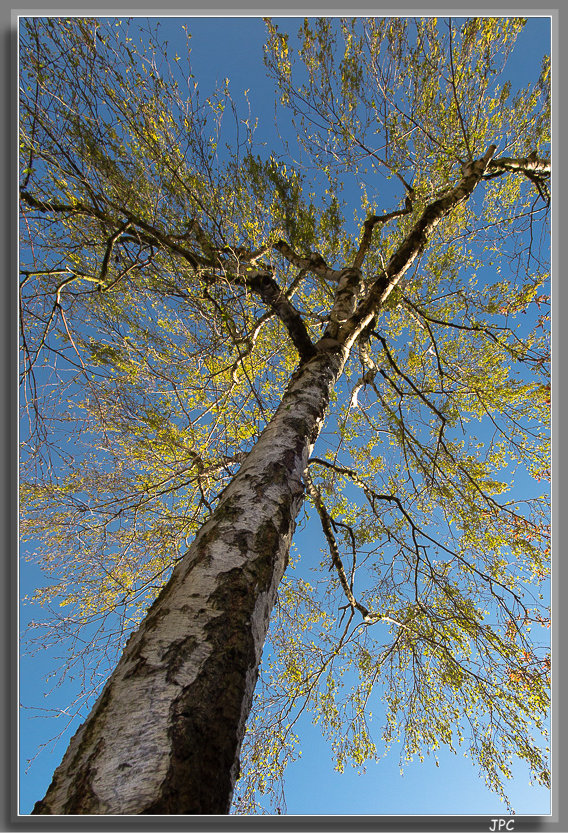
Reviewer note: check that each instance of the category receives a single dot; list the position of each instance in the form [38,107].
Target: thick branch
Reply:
[344,303]
[264,284]
[369,225]
[314,262]
[535,169]
[412,246]
[530,164]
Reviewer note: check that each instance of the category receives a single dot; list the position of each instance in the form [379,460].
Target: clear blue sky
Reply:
[223,47]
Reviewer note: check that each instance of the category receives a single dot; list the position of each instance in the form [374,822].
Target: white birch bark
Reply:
[164,735]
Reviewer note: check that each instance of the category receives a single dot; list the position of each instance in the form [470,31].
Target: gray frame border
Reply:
[557,822]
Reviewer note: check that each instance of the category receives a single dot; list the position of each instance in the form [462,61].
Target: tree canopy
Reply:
[175,275]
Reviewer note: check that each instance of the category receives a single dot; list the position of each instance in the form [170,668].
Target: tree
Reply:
[186,337]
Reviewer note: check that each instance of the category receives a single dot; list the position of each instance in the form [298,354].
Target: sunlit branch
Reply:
[413,244]
[373,497]
[314,262]
[327,526]
[536,170]
[455,93]
[369,225]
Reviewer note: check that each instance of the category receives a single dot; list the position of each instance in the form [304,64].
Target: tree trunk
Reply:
[165,734]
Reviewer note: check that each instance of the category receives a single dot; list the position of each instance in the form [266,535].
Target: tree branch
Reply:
[327,526]
[369,225]
[455,92]
[536,170]
[531,163]
[260,281]
[314,262]
[266,287]
[412,246]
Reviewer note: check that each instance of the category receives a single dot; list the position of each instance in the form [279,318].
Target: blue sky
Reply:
[312,785]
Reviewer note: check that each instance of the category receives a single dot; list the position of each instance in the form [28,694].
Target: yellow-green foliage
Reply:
[153,365]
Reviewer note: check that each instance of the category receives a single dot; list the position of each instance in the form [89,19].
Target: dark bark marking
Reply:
[176,654]
[83,799]
[210,708]
[140,667]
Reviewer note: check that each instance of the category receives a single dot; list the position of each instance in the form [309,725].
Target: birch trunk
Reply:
[165,734]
